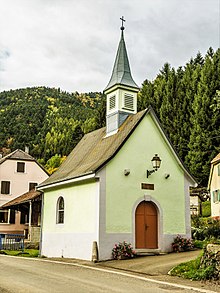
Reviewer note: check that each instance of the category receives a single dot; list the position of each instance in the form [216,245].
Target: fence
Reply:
[12,242]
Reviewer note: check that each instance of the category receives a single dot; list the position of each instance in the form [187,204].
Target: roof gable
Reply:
[17,155]
[95,150]
[215,161]
[22,156]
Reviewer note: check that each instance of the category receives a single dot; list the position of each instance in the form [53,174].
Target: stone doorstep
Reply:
[143,252]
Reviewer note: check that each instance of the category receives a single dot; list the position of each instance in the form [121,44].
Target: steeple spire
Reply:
[121,90]
[121,73]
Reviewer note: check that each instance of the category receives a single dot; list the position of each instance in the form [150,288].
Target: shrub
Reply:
[123,250]
[181,244]
[206,209]
[205,228]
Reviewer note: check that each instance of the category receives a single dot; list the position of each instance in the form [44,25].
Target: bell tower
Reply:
[121,90]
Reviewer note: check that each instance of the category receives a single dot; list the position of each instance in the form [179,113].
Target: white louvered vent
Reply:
[129,102]
[112,102]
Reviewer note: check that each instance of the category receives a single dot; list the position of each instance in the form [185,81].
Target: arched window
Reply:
[60,210]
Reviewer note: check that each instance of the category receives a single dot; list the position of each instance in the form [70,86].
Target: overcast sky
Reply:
[72,44]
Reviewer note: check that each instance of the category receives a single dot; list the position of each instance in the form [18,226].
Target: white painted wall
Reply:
[19,182]
[75,237]
[215,185]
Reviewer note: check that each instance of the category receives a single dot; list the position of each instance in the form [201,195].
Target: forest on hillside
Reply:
[186,101]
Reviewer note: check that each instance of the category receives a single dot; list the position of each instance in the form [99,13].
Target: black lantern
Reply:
[156,161]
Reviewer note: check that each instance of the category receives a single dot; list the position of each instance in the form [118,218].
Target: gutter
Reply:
[68,181]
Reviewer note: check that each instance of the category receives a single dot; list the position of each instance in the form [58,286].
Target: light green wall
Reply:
[123,191]
[81,208]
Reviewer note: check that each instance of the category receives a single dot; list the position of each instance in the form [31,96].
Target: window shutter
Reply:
[12,216]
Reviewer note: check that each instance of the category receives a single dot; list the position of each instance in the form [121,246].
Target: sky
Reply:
[71,44]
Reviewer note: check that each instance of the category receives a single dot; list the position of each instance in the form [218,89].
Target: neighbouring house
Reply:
[198,195]
[214,186]
[107,191]
[29,204]
[195,205]
[19,173]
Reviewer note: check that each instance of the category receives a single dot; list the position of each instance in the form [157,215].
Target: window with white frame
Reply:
[4,216]
[7,216]
[32,185]
[5,187]
[60,210]
[20,167]
[216,195]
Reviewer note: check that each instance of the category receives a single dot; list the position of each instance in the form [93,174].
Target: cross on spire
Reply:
[122,23]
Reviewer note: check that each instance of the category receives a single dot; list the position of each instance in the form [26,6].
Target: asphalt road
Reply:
[27,275]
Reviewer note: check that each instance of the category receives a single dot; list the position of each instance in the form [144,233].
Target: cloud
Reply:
[72,44]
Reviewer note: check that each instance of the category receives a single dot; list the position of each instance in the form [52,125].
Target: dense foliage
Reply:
[205,228]
[186,101]
[48,120]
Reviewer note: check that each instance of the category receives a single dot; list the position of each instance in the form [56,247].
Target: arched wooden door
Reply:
[146,231]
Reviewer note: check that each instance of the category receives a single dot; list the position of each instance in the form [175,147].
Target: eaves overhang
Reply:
[87,176]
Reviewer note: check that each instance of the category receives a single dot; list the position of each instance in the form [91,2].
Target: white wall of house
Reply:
[195,205]
[215,191]
[73,238]
[19,184]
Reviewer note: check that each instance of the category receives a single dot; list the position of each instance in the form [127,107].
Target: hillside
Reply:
[47,120]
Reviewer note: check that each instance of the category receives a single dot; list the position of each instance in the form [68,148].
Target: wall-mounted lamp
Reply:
[126,172]
[156,165]
[166,176]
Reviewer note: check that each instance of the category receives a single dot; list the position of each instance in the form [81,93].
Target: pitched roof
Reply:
[95,149]
[121,73]
[32,194]
[216,159]
[23,156]
[17,155]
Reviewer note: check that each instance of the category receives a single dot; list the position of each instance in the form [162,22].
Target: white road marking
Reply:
[119,273]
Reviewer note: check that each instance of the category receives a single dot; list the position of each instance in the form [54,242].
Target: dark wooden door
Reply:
[146,225]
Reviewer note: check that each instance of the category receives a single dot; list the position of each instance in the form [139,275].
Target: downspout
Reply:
[41,224]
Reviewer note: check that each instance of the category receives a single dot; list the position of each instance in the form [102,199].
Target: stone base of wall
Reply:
[34,234]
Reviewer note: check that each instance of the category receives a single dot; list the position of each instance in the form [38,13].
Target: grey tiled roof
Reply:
[17,155]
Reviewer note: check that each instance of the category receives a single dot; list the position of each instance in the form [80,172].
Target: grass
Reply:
[191,270]
[26,253]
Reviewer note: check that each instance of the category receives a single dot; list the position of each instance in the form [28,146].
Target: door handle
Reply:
[146,226]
